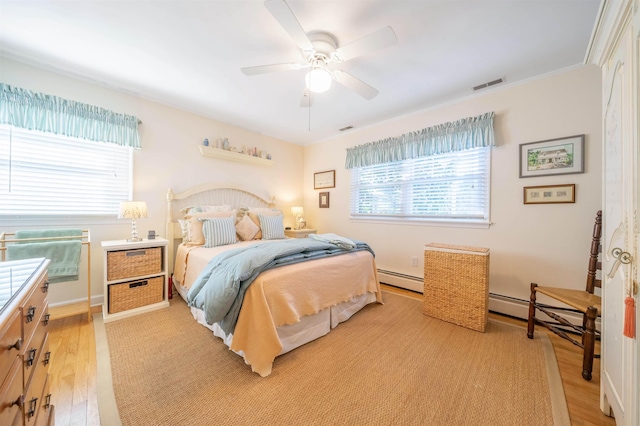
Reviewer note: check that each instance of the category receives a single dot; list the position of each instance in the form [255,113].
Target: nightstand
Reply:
[298,233]
[135,277]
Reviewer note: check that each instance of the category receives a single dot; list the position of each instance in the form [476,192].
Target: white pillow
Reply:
[184,227]
[218,231]
[272,227]
[246,229]
[196,237]
[187,211]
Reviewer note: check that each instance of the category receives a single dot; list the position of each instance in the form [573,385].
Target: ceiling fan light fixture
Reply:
[318,80]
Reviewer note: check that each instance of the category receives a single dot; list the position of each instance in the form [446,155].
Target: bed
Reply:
[283,307]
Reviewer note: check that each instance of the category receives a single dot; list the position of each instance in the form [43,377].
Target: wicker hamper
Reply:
[133,294]
[456,284]
[133,263]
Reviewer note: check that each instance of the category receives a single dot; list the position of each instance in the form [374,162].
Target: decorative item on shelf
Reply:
[206,142]
[133,210]
[225,144]
[298,212]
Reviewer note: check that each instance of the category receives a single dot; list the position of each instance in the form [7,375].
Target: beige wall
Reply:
[169,158]
[548,244]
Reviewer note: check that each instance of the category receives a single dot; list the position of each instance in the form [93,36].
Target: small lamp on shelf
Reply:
[298,212]
[133,210]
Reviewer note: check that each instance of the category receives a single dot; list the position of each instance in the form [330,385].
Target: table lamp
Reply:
[133,210]
[298,212]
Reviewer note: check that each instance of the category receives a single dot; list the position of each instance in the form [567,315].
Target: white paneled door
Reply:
[621,224]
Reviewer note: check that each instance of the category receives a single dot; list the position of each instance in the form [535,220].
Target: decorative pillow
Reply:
[272,227]
[196,237]
[219,231]
[246,229]
[254,212]
[184,226]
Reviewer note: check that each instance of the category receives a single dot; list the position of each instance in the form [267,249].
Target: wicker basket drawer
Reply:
[133,263]
[133,294]
[456,284]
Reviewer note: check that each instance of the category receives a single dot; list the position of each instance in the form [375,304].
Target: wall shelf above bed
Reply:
[207,151]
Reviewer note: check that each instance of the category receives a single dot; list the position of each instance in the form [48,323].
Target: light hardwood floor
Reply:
[73,373]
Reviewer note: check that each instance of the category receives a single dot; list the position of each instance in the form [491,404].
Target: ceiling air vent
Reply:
[489,84]
[346,128]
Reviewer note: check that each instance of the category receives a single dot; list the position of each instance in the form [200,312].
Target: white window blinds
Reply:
[451,186]
[45,174]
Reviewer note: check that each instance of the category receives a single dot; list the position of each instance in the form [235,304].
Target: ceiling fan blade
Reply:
[380,39]
[350,82]
[283,14]
[307,98]
[262,69]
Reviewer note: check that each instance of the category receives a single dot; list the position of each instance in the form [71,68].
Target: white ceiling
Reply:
[188,54]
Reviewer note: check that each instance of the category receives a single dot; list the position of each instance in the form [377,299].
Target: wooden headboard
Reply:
[209,194]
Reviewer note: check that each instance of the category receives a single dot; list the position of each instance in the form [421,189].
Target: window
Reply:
[49,175]
[452,186]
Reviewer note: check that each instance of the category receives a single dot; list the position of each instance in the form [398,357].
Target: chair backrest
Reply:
[595,264]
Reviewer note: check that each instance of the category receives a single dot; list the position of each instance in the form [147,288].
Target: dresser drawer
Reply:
[10,343]
[31,309]
[35,386]
[133,263]
[45,409]
[33,348]
[10,393]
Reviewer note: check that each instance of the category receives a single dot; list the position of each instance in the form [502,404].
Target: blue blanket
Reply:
[220,287]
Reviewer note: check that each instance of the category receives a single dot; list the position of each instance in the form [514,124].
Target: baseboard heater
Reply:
[499,303]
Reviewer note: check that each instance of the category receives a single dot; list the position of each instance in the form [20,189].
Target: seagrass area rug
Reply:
[388,365]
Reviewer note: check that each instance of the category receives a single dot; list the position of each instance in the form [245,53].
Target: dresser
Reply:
[24,344]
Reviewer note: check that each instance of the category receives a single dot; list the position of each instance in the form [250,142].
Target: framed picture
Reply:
[561,156]
[323,200]
[324,179]
[549,194]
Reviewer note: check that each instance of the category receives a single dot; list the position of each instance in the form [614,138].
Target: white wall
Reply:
[169,158]
[547,244]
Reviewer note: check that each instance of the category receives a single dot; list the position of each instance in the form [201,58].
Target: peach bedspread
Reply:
[284,295]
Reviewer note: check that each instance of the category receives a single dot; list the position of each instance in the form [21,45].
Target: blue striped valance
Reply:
[467,133]
[36,111]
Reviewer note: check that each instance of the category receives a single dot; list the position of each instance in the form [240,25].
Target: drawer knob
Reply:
[47,401]
[31,411]
[31,312]
[31,357]
[47,357]
[19,401]
[45,287]
[45,321]
[17,345]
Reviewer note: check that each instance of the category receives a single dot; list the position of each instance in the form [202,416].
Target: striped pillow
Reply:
[272,227]
[219,231]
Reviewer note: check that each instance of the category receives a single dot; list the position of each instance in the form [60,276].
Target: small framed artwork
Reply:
[323,200]
[561,156]
[323,180]
[550,194]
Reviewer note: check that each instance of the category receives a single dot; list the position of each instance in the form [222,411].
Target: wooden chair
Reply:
[583,302]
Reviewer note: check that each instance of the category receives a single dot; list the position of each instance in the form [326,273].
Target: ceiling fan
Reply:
[321,53]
